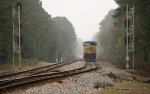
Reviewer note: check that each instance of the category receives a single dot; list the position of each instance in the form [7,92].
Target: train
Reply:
[89,51]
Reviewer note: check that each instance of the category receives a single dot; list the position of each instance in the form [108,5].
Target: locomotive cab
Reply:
[89,51]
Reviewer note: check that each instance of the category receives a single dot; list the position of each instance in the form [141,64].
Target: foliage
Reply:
[43,37]
[142,40]
[112,33]
[66,38]
[5,32]
[110,39]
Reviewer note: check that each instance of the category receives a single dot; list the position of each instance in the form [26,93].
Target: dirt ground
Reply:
[126,81]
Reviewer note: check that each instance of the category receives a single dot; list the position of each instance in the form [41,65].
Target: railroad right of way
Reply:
[41,77]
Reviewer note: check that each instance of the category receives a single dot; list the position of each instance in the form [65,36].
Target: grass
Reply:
[127,87]
[7,66]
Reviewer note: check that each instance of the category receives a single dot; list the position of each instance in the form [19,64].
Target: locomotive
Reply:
[89,51]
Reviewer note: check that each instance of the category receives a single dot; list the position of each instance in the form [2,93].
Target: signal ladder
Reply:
[129,24]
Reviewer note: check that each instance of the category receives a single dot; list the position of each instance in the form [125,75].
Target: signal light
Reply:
[18,5]
[125,23]
[20,40]
[126,40]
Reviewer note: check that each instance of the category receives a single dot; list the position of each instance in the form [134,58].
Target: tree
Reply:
[5,30]
[43,37]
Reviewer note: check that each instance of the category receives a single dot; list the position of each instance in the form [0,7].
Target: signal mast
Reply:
[129,24]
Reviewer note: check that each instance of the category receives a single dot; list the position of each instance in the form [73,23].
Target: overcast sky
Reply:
[85,15]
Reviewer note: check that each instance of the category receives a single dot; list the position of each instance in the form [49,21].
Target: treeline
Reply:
[110,40]
[43,37]
[112,33]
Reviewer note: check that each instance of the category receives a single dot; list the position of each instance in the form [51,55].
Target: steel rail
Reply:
[32,71]
[41,77]
[36,76]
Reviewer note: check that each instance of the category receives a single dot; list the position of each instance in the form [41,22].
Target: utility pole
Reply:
[127,28]
[133,11]
[130,36]
[18,12]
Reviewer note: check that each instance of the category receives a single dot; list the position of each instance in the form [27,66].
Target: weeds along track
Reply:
[7,77]
[47,76]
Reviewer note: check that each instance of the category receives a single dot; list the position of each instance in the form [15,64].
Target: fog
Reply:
[85,15]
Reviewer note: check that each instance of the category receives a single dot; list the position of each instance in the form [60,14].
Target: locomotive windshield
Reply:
[89,51]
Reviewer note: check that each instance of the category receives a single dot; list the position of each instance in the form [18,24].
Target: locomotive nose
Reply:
[89,51]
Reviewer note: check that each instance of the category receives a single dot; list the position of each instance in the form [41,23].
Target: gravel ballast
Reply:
[86,83]
[80,84]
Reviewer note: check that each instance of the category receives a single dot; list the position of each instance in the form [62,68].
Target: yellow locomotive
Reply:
[89,51]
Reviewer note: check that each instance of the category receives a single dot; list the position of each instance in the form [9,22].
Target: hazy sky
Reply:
[85,15]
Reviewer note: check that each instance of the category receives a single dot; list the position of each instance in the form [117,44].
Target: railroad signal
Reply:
[125,23]
[129,37]
[20,26]
[19,7]
[125,40]
[20,40]
[16,10]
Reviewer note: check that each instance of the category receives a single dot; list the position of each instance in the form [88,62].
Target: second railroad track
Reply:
[90,66]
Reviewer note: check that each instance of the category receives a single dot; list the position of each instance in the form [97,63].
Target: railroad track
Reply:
[46,76]
[30,72]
